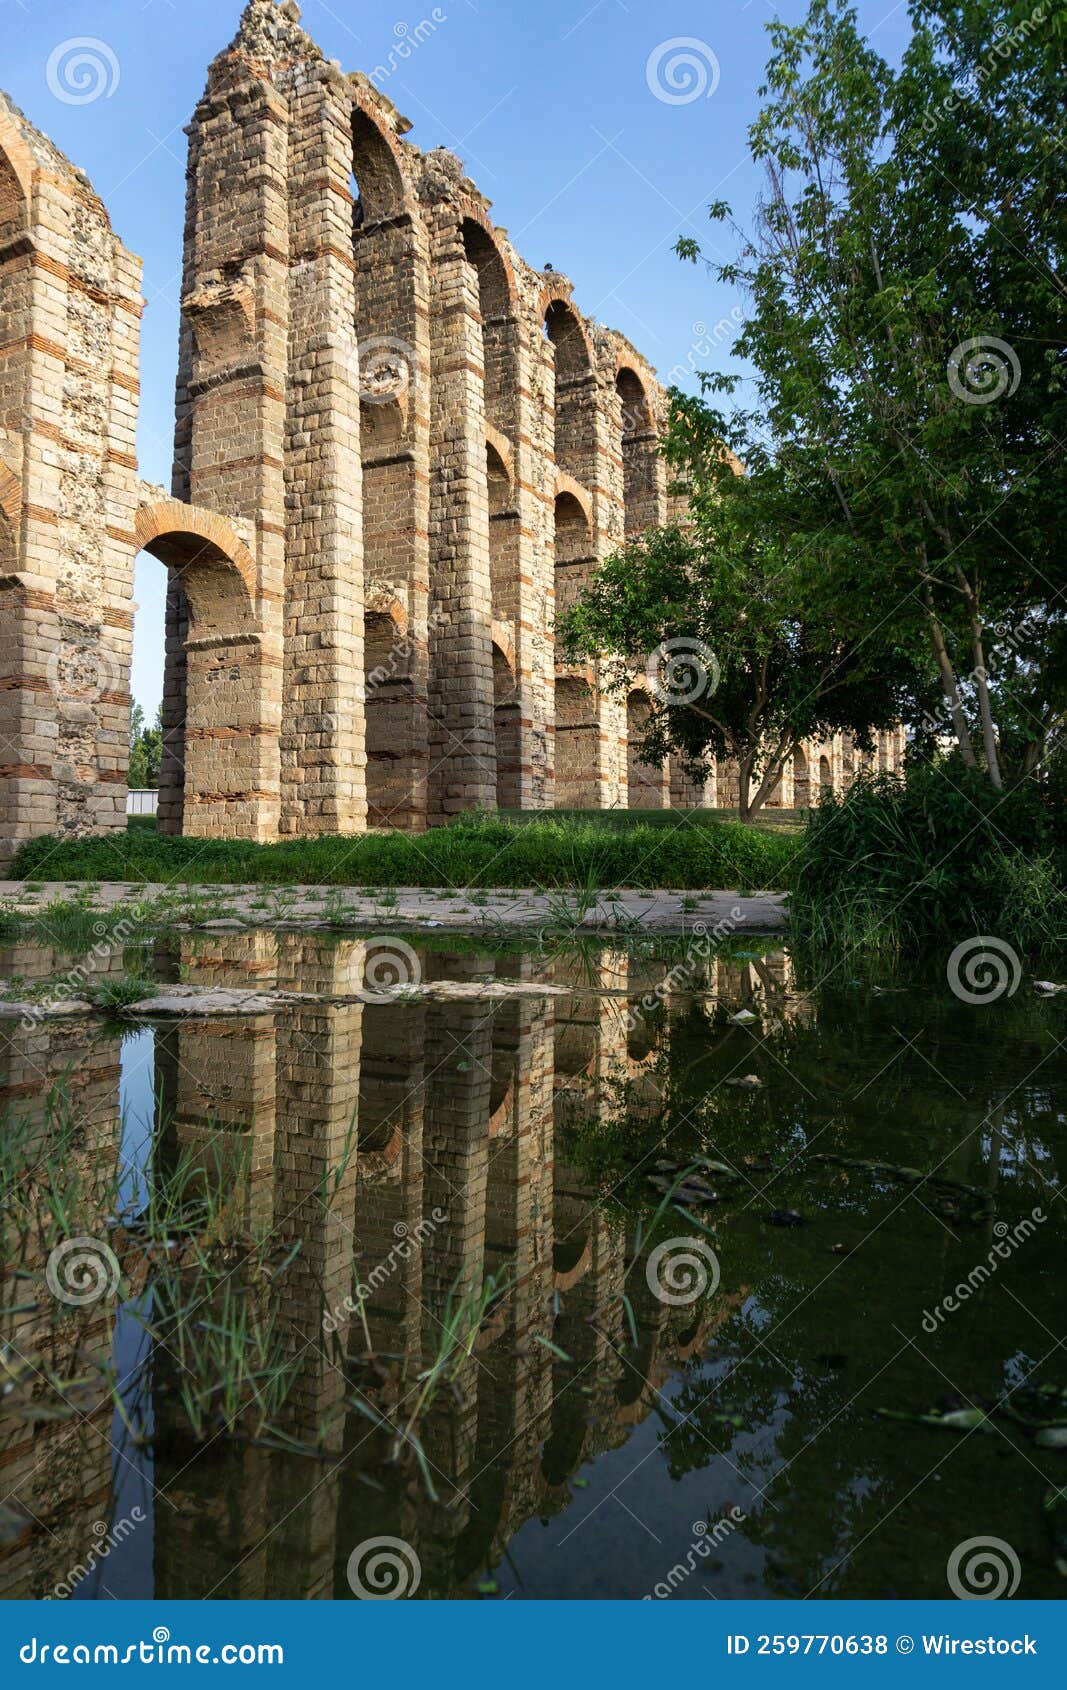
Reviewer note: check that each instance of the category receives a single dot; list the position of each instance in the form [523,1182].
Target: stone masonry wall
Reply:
[399,452]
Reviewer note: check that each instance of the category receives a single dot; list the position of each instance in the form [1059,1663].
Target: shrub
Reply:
[898,863]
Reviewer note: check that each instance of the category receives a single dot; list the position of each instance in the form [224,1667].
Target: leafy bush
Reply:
[898,863]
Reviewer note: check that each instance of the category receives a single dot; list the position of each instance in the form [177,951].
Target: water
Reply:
[597,1440]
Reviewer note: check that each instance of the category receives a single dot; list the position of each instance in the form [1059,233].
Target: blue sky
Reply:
[550,104]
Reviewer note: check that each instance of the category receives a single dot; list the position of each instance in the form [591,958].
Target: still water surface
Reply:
[458,1326]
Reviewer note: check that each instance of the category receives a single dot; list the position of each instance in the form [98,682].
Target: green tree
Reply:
[904,273]
[146,750]
[895,541]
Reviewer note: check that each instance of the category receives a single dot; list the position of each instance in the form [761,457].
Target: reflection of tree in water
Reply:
[534,1125]
[900,1079]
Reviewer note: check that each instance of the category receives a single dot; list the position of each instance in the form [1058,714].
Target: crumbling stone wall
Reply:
[400,451]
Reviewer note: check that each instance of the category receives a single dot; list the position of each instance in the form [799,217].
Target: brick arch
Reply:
[221,716]
[568,488]
[16,171]
[217,570]
[483,249]
[502,447]
[378,164]
[382,601]
[505,643]
[571,333]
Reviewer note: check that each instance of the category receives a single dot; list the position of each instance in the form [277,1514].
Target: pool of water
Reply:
[640,1287]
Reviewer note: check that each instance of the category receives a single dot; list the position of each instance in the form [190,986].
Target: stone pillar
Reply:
[231,405]
[462,745]
[323,739]
[69,322]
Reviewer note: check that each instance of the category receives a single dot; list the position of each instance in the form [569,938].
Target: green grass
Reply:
[560,852]
[897,866]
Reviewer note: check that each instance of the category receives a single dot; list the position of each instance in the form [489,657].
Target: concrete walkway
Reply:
[414,909]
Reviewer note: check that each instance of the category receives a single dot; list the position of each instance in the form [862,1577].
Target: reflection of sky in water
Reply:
[137,1105]
[125,1572]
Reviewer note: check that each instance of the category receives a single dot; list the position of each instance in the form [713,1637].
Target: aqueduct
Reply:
[399,450]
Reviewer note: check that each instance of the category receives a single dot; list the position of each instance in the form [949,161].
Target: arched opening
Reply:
[506,732]
[573,551]
[219,775]
[826,775]
[576,744]
[801,780]
[646,784]
[503,538]
[387,671]
[391,294]
[499,336]
[575,400]
[160,629]
[641,467]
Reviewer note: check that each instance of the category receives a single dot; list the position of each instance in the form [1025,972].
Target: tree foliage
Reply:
[903,452]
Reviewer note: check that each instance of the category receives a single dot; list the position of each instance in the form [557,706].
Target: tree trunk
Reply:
[948,684]
[981,679]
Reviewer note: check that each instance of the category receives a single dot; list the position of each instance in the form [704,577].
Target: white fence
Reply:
[141,803]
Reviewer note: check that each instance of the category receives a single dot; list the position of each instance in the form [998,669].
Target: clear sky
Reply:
[557,108]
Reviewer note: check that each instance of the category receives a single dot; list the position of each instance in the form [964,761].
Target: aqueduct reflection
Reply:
[456,1109]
